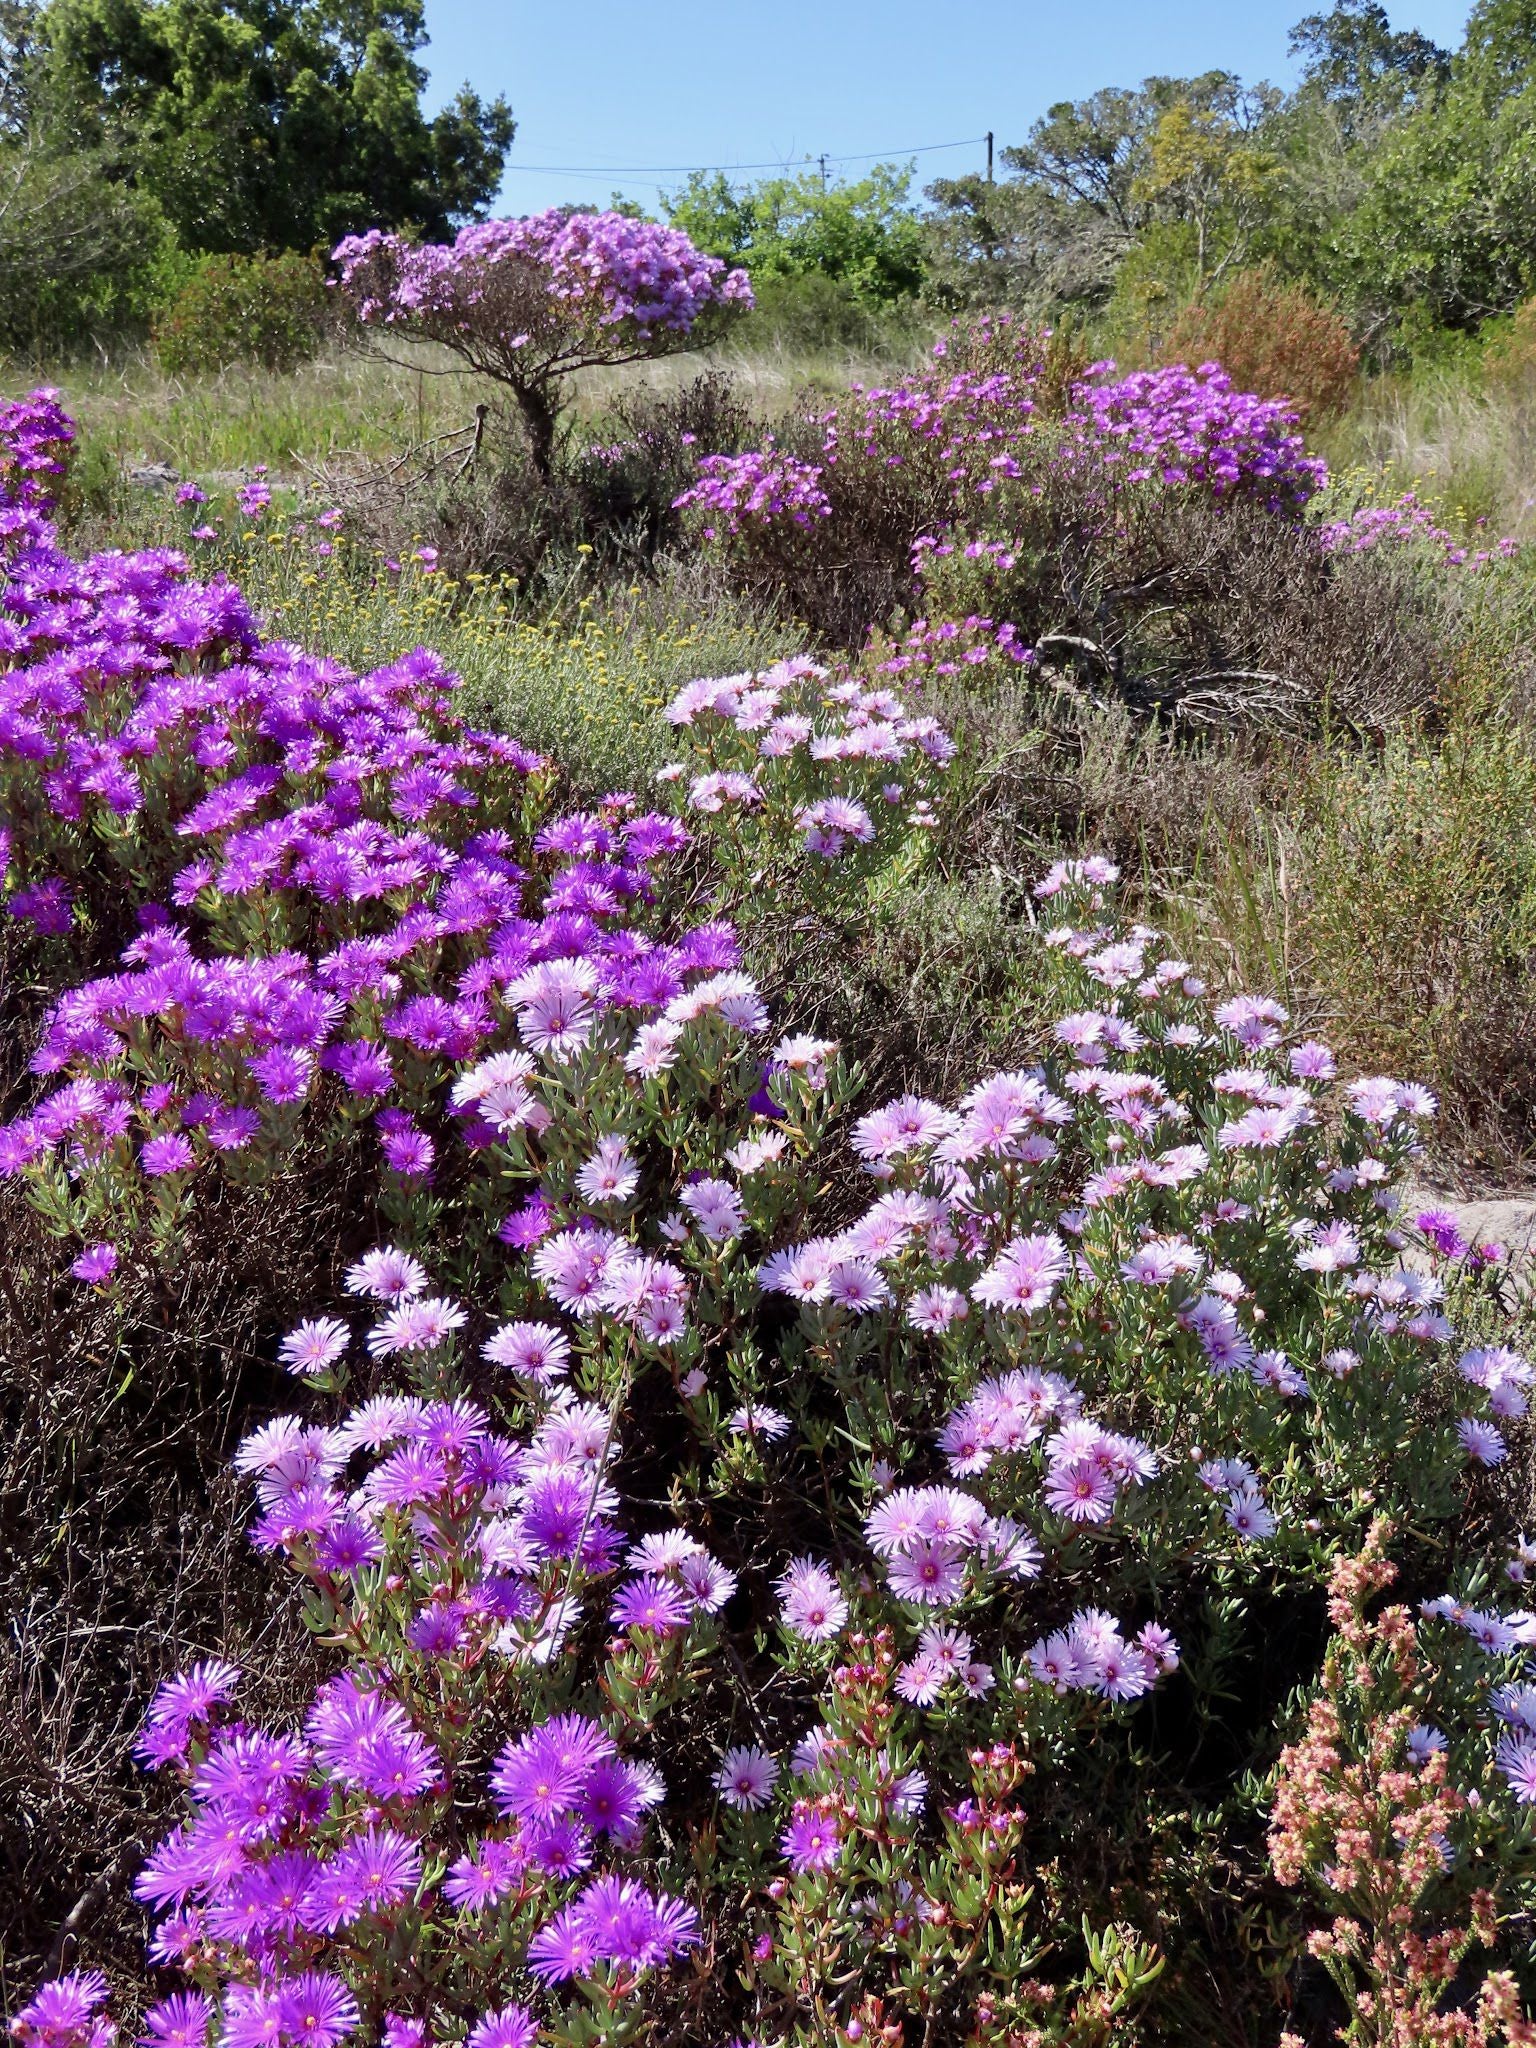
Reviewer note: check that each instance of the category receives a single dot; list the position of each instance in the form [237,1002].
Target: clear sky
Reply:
[598,83]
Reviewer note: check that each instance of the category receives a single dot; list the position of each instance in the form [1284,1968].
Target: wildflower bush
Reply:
[528,302]
[1137,539]
[776,1567]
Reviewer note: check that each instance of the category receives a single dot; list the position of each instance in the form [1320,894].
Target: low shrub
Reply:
[832,514]
[486,509]
[270,309]
[1274,338]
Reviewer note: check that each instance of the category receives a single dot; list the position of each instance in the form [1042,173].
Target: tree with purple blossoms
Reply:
[528,303]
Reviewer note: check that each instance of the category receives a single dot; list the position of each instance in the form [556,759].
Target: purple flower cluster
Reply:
[1184,426]
[764,485]
[961,430]
[808,755]
[960,434]
[1406,521]
[457,1548]
[603,270]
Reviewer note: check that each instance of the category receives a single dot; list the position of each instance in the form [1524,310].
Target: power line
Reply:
[777,164]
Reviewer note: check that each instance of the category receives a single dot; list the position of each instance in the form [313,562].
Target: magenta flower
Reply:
[652,1604]
[811,1842]
[96,1264]
[180,2021]
[167,1152]
[510,2026]
[62,2013]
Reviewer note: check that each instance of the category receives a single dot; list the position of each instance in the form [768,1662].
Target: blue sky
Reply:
[721,82]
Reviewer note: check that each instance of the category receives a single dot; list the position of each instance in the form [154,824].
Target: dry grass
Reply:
[347,403]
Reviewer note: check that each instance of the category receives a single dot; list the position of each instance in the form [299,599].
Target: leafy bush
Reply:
[78,250]
[861,236]
[270,308]
[812,313]
[900,1591]
[1275,338]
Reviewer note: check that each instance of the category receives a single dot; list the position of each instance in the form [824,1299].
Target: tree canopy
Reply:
[862,231]
[267,123]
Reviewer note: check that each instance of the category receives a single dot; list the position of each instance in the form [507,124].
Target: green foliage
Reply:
[863,233]
[278,126]
[267,309]
[77,250]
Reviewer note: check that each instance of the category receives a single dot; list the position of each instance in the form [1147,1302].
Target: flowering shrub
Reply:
[528,301]
[1406,1833]
[888,468]
[1190,426]
[827,511]
[774,1572]
[1406,521]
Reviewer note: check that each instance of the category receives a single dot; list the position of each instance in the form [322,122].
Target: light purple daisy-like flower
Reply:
[811,1841]
[1246,1513]
[538,1351]
[930,1571]
[716,1209]
[1481,1441]
[812,1605]
[1024,1277]
[746,1778]
[1424,1742]
[1081,1490]
[387,1275]
[759,1421]
[418,1324]
[1515,1758]
[314,1346]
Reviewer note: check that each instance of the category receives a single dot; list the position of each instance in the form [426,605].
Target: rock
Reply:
[1509,1220]
[153,476]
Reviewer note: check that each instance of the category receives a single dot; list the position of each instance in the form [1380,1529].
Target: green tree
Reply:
[863,232]
[1206,171]
[269,123]
[1448,217]
[1354,59]
[1083,194]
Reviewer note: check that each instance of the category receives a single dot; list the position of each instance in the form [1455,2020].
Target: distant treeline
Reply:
[156,155]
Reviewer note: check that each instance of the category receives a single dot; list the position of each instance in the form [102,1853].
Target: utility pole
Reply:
[989,156]
[822,160]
